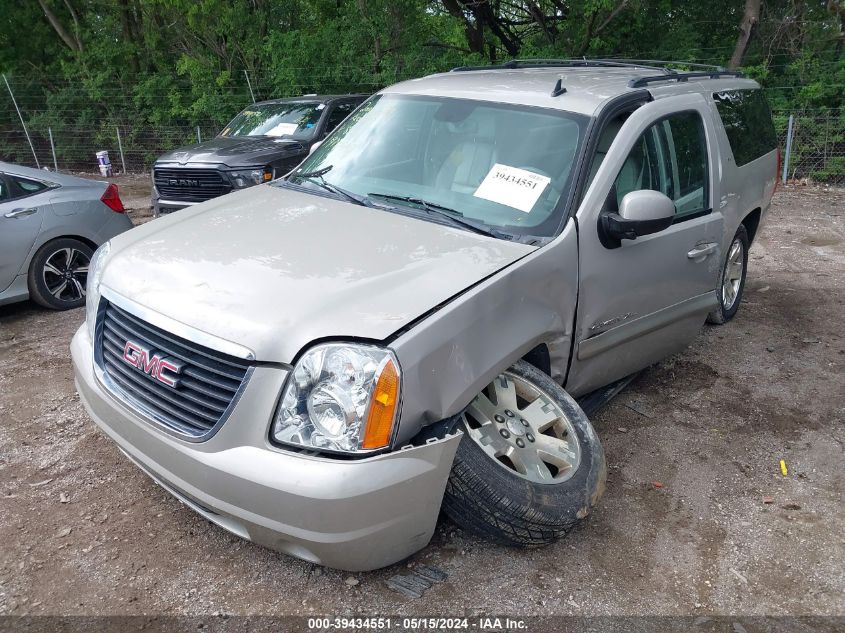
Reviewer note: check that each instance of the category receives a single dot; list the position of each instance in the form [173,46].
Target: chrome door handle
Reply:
[702,250]
[21,213]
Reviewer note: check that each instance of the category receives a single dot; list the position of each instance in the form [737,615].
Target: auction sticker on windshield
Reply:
[282,129]
[511,186]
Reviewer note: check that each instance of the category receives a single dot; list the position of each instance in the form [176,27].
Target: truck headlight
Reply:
[341,397]
[92,288]
[248,177]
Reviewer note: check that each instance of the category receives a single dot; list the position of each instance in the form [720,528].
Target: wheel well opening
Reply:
[751,222]
[84,240]
[539,357]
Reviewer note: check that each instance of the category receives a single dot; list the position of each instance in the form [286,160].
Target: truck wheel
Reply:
[732,279]
[529,466]
[58,274]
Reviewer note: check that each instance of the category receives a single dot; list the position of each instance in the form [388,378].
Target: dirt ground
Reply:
[697,518]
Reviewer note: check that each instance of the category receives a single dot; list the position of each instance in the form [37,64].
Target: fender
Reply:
[453,353]
[76,231]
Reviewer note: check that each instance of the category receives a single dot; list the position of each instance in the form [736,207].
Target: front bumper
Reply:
[163,207]
[355,515]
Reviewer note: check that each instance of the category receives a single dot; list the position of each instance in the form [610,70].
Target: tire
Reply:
[58,274]
[490,498]
[729,300]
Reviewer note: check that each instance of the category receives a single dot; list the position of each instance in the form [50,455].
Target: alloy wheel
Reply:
[521,428]
[65,274]
[732,275]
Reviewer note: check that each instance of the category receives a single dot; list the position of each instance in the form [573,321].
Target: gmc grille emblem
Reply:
[164,369]
[183,182]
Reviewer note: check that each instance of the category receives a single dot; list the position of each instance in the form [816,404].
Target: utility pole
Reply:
[120,147]
[248,83]
[53,149]
[20,116]
[789,132]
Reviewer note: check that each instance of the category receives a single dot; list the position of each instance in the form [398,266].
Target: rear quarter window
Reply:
[28,187]
[748,123]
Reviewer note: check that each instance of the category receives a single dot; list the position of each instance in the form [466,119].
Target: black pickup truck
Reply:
[264,141]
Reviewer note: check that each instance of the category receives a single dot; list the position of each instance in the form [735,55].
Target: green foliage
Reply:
[158,68]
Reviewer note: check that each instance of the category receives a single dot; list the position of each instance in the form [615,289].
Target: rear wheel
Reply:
[732,279]
[58,274]
[529,466]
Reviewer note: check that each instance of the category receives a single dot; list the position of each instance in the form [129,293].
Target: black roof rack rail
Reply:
[562,63]
[639,82]
[665,63]
[650,64]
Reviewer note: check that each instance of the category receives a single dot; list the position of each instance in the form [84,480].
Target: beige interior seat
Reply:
[472,157]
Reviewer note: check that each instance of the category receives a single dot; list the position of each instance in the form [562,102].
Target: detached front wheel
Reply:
[529,466]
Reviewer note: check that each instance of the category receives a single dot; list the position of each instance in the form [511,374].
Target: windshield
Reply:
[502,166]
[297,120]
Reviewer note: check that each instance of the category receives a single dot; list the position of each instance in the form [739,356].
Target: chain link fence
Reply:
[131,148]
[817,148]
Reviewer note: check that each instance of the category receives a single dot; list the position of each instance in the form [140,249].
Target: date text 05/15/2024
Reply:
[417,623]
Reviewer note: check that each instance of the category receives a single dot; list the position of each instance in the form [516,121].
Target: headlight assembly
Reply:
[92,288]
[340,397]
[248,177]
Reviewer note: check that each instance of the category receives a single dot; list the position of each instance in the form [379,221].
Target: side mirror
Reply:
[314,146]
[641,212]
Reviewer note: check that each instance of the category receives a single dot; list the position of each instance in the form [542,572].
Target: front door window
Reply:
[670,157]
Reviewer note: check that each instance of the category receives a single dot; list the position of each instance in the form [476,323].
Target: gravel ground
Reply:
[697,518]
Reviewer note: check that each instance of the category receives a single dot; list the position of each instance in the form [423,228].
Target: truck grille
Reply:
[207,382]
[190,185]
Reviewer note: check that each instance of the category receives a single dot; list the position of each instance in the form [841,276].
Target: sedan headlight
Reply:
[92,289]
[340,397]
[248,177]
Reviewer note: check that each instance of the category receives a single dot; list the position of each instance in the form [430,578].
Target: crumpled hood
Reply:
[273,269]
[236,151]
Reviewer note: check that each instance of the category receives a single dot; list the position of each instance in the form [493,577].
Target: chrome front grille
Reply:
[181,385]
[190,185]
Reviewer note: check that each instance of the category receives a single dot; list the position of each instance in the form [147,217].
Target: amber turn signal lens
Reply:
[383,408]
[267,176]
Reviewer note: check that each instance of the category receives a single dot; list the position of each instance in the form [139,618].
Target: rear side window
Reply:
[4,190]
[748,123]
[28,187]
[338,114]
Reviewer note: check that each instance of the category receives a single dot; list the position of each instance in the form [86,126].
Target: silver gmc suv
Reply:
[404,321]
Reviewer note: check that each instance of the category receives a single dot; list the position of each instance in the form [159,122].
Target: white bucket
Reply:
[104,163]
